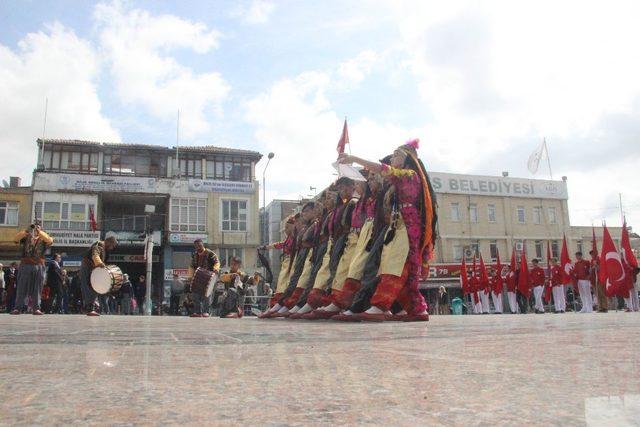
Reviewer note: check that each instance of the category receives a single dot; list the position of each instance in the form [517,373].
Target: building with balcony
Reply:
[15,215]
[177,195]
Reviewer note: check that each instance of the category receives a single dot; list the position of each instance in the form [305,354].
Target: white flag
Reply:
[534,158]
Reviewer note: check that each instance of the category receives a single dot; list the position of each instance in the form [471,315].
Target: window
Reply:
[234,215]
[475,248]
[539,249]
[457,252]
[63,216]
[455,211]
[491,213]
[191,166]
[131,162]
[520,214]
[493,249]
[188,215]
[555,252]
[537,215]
[579,246]
[9,213]
[225,255]
[228,168]
[74,159]
[473,212]
[125,218]
[553,219]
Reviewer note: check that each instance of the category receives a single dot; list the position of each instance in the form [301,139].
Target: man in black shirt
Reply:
[54,281]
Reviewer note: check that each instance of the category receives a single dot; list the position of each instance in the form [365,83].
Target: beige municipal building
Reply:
[487,214]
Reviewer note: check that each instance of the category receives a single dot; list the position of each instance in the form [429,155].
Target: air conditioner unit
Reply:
[467,251]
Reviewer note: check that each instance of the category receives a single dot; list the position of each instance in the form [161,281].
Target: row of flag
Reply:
[615,269]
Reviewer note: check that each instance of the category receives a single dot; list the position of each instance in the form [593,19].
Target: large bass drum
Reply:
[106,279]
[202,282]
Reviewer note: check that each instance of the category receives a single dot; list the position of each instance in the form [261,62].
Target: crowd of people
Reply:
[358,251]
[536,289]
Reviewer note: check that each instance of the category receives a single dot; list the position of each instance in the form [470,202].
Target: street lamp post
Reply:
[264,197]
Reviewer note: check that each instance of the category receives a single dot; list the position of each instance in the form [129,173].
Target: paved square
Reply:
[566,369]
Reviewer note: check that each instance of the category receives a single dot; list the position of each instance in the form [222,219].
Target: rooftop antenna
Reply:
[44,128]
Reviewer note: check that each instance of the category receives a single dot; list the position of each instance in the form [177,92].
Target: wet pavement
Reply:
[566,369]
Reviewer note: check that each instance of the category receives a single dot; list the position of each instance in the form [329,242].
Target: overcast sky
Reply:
[480,83]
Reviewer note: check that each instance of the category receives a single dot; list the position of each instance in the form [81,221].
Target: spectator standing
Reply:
[126,292]
[64,288]
[443,301]
[582,273]
[140,290]
[10,286]
[54,282]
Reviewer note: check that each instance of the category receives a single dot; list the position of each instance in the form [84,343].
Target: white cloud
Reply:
[137,46]
[258,12]
[57,65]
[358,68]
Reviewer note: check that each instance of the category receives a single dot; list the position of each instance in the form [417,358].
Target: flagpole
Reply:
[349,144]
[546,149]
[621,212]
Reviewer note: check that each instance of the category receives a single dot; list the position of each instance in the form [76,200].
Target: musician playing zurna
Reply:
[208,260]
[234,290]
[95,257]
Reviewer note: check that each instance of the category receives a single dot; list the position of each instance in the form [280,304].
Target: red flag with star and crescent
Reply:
[464,280]
[629,260]
[612,270]
[498,282]
[566,266]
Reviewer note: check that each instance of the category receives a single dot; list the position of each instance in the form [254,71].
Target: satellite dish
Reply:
[5,183]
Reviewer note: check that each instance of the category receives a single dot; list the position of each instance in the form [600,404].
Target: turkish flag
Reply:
[474,282]
[485,284]
[612,270]
[511,276]
[547,288]
[92,220]
[498,283]
[344,138]
[464,280]
[629,260]
[566,265]
[523,278]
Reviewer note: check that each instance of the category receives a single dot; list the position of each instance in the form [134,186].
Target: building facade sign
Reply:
[498,186]
[133,238]
[182,273]
[93,183]
[217,186]
[73,238]
[187,238]
[117,258]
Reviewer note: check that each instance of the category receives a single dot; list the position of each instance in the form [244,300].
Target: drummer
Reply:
[95,257]
[202,258]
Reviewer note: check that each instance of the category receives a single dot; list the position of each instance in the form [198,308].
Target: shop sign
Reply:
[73,237]
[182,273]
[133,238]
[218,186]
[93,183]
[116,258]
[187,238]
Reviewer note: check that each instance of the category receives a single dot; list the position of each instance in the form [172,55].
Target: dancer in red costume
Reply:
[410,240]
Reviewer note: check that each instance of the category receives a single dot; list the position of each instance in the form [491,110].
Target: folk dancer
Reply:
[287,247]
[410,239]
[30,277]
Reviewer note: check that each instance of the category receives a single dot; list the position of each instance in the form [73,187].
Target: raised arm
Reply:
[372,166]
